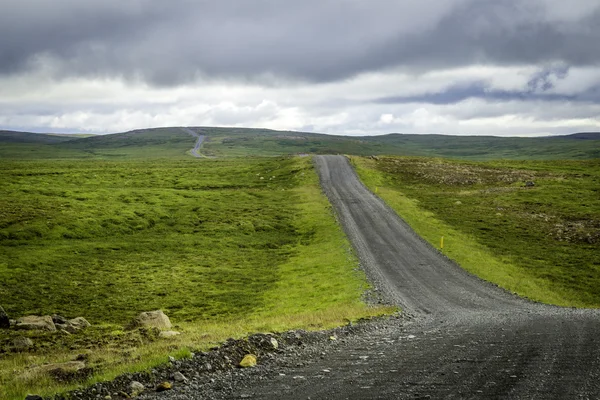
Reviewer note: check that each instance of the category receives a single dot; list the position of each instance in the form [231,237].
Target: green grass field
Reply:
[224,247]
[542,242]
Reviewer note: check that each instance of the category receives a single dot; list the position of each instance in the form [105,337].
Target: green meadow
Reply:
[225,247]
[540,240]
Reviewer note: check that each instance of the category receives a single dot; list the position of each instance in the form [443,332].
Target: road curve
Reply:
[200,138]
[468,339]
[464,339]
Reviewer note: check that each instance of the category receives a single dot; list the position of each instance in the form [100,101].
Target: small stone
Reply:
[136,388]
[22,343]
[164,386]
[274,343]
[179,377]
[332,338]
[4,320]
[248,361]
[171,359]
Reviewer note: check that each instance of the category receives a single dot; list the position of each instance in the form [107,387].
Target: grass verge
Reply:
[541,242]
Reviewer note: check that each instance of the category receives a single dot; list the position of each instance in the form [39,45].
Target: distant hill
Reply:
[235,142]
[583,136]
[29,137]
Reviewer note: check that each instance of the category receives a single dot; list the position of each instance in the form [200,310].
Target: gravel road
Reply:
[200,138]
[461,337]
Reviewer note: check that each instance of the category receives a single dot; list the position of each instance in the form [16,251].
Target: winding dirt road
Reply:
[462,338]
[467,339]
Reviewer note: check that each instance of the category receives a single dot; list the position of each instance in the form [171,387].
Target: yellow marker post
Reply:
[376,189]
[442,243]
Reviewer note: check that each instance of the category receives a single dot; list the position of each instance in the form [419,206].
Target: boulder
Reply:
[4,320]
[151,319]
[80,323]
[249,360]
[34,322]
[22,343]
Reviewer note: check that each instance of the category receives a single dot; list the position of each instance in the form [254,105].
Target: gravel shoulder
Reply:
[458,337]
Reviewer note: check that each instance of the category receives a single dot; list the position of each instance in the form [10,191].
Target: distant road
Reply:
[196,150]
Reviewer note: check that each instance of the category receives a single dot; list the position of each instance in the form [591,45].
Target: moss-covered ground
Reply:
[532,227]
[224,247]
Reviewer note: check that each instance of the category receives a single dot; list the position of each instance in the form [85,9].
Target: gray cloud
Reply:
[539,87]
[168,43]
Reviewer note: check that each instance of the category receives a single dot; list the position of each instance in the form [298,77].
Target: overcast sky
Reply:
[493,67]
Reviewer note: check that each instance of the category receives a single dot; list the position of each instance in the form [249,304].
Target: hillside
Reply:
[29,137]
[174,142]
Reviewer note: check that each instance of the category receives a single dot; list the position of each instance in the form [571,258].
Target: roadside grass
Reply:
[224,247]
[541,242]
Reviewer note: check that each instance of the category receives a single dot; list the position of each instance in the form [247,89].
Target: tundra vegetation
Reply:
[106,227]
[225,247]
[532,227]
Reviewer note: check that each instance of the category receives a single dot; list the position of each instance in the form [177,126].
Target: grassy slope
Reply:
[241,142]
[225,247]
[228,142]
[541,242]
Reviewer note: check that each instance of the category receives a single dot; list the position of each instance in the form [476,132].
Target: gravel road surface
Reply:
[196,150]
[461,337]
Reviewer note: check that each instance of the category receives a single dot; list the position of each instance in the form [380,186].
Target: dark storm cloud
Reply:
[174,42]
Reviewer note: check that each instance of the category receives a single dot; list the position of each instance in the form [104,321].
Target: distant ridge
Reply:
[169,142]
[30,137]
[583,136]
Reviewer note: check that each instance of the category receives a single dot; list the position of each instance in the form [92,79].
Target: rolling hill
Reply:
[235,142]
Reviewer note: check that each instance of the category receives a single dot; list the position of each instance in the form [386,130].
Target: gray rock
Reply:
[151,319]
[22,343]
[4,320]
[179,377]
[80,323]
[136,388]
[33,397]
[34,322]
